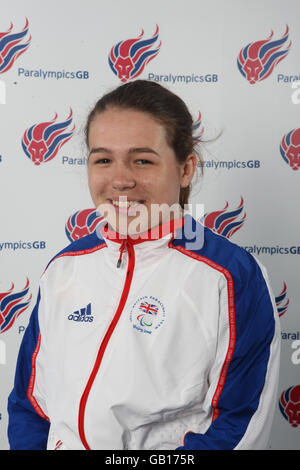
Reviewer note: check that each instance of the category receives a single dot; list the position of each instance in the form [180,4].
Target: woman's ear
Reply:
[187,171]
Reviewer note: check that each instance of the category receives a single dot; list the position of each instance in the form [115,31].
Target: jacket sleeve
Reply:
[28,426]
[241,399]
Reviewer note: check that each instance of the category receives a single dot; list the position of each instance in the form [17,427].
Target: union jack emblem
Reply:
[12,304]
[146,318]
[148,308]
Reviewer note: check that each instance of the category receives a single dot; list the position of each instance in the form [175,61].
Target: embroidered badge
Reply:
[147,314]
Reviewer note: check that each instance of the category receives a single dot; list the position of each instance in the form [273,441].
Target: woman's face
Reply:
[132,170]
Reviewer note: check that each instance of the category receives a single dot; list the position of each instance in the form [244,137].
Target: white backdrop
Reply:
[64,65]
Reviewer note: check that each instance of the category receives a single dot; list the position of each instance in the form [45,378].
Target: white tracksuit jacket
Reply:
[176,348]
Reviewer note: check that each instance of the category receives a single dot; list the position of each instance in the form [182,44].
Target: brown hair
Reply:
[163,106]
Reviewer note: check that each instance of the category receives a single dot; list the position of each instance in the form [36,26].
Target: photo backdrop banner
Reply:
[236,65]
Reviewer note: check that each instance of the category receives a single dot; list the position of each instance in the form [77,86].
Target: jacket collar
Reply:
[165,230]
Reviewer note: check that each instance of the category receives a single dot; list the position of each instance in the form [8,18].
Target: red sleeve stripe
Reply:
[77,253]
[31,383]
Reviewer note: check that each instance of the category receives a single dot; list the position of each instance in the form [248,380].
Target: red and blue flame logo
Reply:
[281,301]
[257,60]
[198,128]
[11,46]
[289,405]
[42,141]
[82,223]
[128,58]
[290,148]
[225,222]
[12,304]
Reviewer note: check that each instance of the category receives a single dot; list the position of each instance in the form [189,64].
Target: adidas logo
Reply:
[84,314]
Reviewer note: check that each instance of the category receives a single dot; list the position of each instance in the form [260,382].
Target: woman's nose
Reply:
[123,178]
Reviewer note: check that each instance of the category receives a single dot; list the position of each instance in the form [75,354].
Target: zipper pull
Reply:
[122,249]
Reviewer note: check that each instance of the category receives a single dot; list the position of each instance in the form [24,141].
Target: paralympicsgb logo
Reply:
[257,60]
[42,141]
[282,302]
[289,405]
[290,149]
[225,222]
[128,58]
[198,129]
[82,223]
[12,303]
[11,46]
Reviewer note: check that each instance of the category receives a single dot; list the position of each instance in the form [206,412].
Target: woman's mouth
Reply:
[123,205]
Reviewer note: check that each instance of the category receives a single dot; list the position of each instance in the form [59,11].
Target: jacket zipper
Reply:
[104,343]
[123,246]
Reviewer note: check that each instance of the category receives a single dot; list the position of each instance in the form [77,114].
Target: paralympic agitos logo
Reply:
[42,141]
[257,60]
[128,58]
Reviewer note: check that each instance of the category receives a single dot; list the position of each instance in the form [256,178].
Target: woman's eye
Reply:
[142,161]
[102,160]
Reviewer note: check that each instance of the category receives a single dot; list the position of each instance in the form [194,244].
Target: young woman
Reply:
[141,337]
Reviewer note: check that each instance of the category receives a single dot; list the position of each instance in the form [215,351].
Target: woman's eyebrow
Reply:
[99,150]
[142,150]
[131,150]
